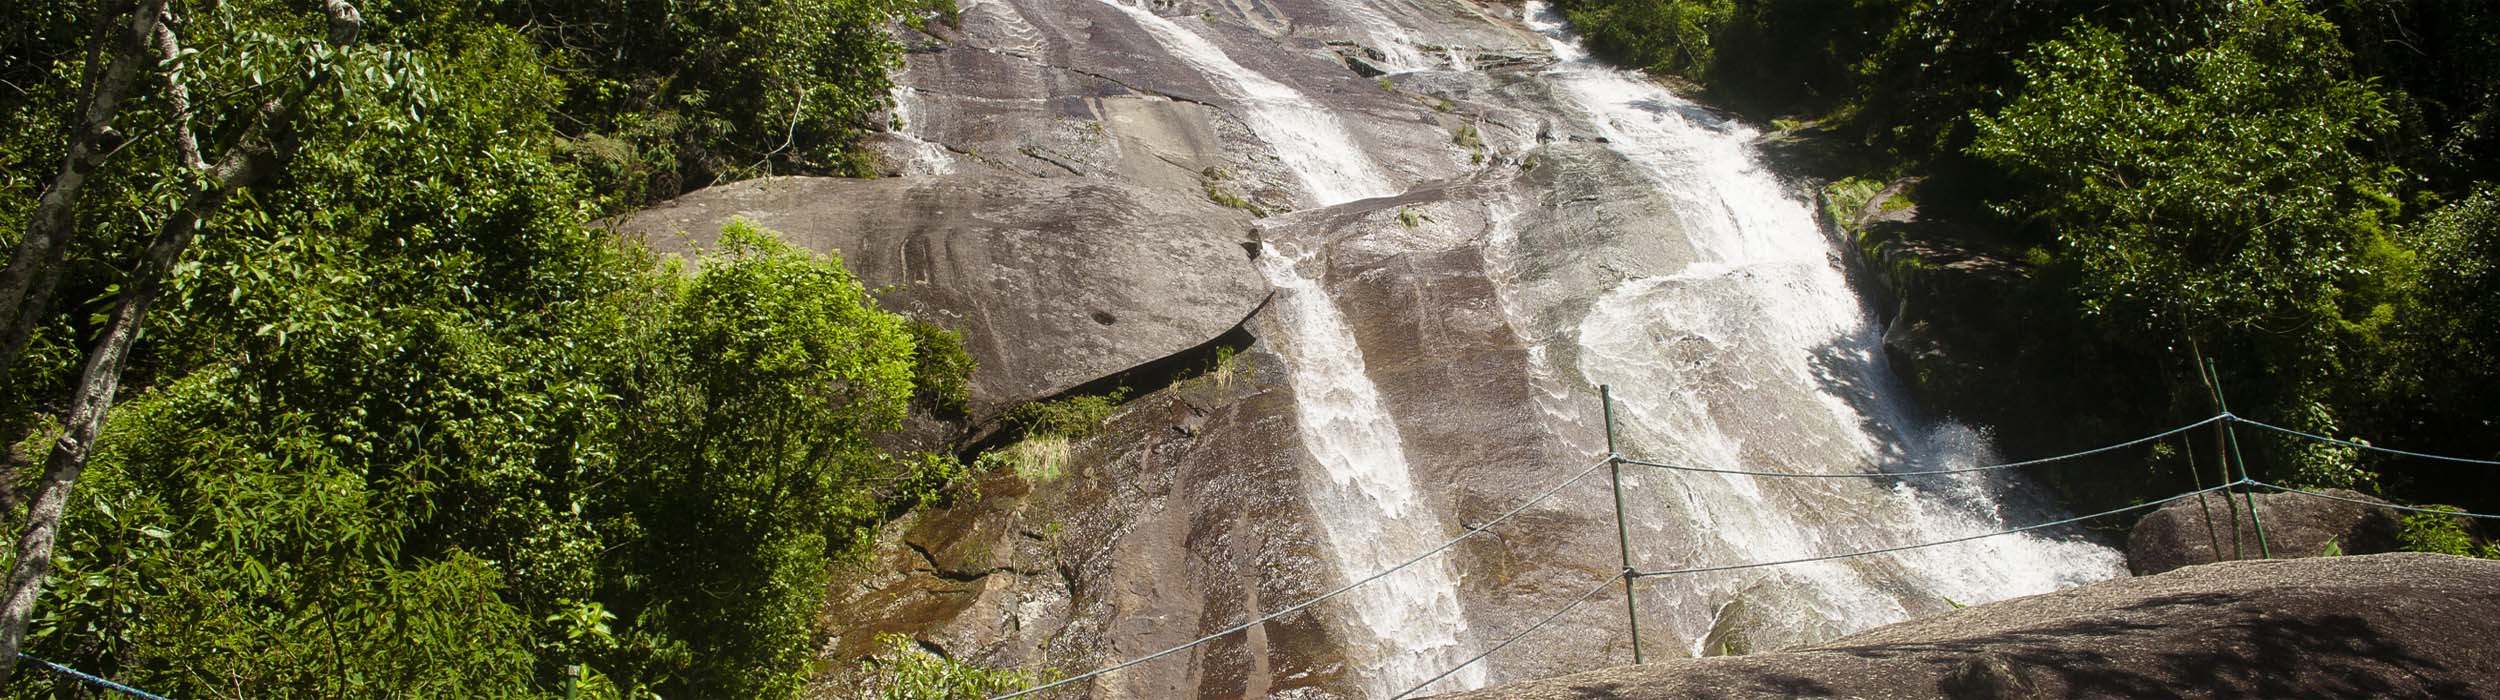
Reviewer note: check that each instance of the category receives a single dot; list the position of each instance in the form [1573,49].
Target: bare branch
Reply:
[345,21]
[178,96]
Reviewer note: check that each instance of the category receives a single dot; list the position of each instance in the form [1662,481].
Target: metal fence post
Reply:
[2264,550]
[1623,532]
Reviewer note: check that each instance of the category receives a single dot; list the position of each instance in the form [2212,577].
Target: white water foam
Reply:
[1308,138]
[1409,626]
[1758,355]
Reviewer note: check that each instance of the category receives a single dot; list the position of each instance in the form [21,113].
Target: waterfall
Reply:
[1759,355]
[1409,626]
[1395,44]
[926,158]
[1369,508]
[1307,137]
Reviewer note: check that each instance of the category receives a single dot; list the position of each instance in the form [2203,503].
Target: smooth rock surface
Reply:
[1052,281]
[1072,183]
[2194,531]
[2380,626]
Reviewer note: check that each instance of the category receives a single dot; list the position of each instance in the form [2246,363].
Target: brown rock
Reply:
[2295,526]
[2403,625]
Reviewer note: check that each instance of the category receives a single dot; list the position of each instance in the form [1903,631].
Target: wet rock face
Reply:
[1052,281]
[2194,531]
[1082,201]
[2380,626]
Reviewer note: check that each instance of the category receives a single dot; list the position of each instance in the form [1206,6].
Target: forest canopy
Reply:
[322,380]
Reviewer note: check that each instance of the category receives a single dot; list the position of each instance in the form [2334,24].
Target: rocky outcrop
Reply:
[2381,626]
[1113,275]
[2201,531]
[1180,516]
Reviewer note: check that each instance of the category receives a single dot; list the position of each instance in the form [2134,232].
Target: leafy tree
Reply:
[668,95]
[2222,194]
[403,423]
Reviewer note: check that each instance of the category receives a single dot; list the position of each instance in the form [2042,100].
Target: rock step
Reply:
[2402,625]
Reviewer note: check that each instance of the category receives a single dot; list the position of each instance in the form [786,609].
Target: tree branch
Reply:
[26,284]
[264,147]
[178,97]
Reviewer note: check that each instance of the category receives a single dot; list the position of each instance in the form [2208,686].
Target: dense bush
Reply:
[405,423]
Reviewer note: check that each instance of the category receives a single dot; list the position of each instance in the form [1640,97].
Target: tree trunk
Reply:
[26,284]
[262,150]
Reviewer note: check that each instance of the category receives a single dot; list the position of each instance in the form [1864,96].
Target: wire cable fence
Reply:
[1922,545]
[1516,636]
[2361,445]
[1629,575]
[1963,470]
[2374,504]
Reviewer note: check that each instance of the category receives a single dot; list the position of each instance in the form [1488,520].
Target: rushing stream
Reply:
[1410,624]
[1758,355]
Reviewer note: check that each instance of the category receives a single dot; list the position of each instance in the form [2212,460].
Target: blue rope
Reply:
[91,679]
[2375,504]
[1964,470]
[2362,445]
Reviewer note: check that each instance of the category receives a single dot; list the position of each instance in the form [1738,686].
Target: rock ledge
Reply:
[2380,626]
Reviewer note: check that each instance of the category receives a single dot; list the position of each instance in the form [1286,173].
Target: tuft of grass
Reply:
[1214,179]
[1039,459]
[1075,416]
[1468,138]
[1221,373]
[1412,218]
[1843,199]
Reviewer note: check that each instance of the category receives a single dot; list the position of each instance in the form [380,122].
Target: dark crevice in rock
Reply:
[960,576]
[1146,378]
[1036,153]
[1105,78]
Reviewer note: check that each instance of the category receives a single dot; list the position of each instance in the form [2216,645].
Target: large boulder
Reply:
[2382,626]
[1053,281]
[2200,531]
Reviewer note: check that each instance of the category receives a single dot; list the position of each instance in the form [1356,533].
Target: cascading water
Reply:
[1392,41]
[1757,354]
[1408,626]
[1310,140]
[925,157]
[1368,508]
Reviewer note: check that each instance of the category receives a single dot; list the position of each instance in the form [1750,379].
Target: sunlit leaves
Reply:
[2230,197]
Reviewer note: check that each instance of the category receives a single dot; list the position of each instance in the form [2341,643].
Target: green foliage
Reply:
[2443,534]
[1673,37]
[907,672]
[942,369]
[1074,416]
[671,95]
[408,425]
[2228,193]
